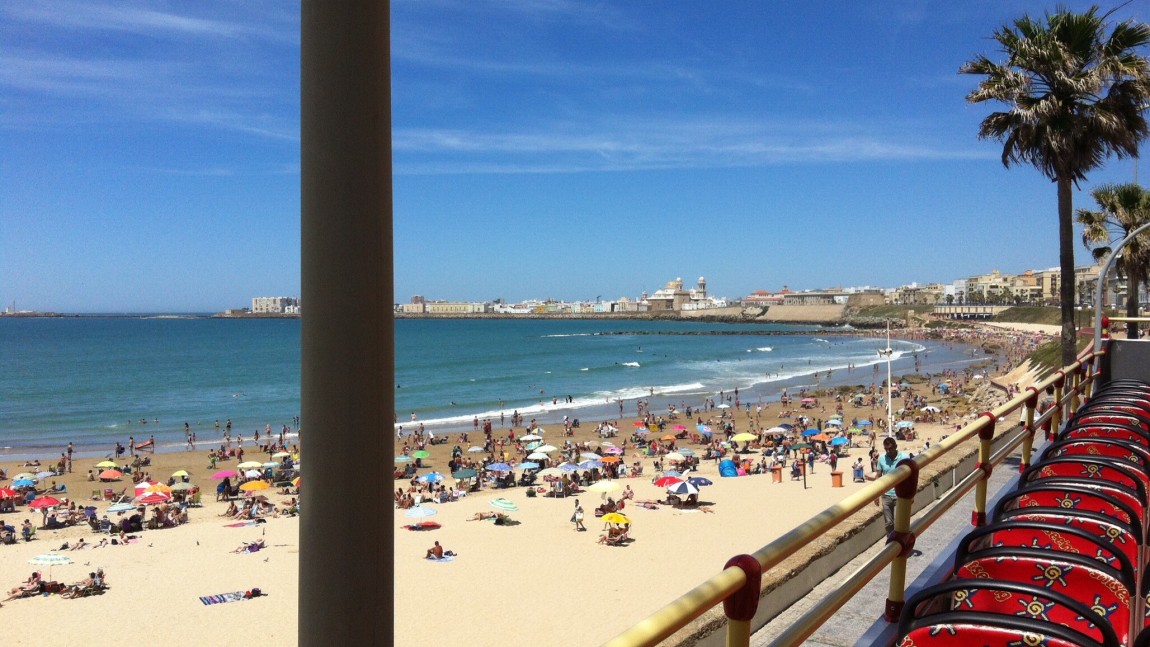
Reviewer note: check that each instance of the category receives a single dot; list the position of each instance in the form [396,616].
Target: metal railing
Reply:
[737,586]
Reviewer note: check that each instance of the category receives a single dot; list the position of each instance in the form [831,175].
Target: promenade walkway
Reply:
[860,620]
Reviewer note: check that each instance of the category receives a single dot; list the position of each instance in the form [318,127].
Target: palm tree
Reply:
[1123,208]
[1074,96]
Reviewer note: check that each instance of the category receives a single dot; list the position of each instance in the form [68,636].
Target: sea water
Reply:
[95,381]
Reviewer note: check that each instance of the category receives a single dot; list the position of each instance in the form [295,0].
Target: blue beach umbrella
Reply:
[686,451]
[904,424]
[835,422]
[811,432]
[863,423]
[23,483]
[699,481]
[840,440]
[464,474]
[590,465]
[402,459]
[499,467]
[672,473]
[431,477]
[528,465]
[787,426]
[569,467]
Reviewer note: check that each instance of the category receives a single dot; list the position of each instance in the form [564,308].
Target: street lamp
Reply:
[888,351]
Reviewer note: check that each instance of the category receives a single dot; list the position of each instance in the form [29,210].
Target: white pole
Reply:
[888,351]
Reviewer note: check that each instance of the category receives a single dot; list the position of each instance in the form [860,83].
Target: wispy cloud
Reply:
[690,144]
[132,19]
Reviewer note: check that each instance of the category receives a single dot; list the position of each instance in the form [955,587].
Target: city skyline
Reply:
[152,150]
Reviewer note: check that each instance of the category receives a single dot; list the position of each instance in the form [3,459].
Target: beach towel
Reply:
[445,558]
[426,525]
[241,524]
[235,596]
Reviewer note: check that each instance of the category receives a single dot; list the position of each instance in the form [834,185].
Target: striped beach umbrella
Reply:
[50,560]
[504,505]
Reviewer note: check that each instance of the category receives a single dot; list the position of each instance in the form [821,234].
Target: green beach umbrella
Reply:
[420,453]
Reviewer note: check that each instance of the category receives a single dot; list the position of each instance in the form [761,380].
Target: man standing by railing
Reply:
[887,463]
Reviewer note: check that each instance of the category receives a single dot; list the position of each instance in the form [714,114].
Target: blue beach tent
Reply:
[727,467]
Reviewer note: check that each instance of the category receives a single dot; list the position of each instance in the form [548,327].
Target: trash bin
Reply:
[777,474]
[836,479]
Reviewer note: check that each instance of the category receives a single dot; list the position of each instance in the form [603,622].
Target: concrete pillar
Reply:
[347,381]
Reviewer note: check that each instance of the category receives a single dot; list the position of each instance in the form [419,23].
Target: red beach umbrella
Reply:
[8,493]
[110,475]
[153,498]
[667,481]
[44,502]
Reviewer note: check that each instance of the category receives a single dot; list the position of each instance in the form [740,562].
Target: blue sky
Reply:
[550,148]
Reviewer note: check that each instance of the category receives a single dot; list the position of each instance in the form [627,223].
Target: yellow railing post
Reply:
[985,435]
[741,606]
[1028,442]
[896,593]
[1075,387]
[1059,407]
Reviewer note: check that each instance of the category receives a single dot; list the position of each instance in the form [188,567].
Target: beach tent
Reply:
[727,467]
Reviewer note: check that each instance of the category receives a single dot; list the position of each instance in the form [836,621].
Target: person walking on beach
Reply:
[577,517]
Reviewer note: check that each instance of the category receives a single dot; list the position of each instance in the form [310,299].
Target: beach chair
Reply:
[196,500]
[109,494]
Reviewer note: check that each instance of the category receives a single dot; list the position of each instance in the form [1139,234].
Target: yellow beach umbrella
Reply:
[180,474]
[746,436]
[252,486]
[250,465]
[159,487]
[106,464]
[614,517]
[603,486]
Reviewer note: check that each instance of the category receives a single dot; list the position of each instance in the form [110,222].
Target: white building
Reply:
[275,305]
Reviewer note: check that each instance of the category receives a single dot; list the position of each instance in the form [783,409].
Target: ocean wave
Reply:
[633,364]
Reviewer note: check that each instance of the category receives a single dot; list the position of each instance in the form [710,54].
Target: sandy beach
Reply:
[535,581]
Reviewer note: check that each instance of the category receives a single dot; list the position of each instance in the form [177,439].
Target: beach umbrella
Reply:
[680,428]
[281,454]
[675,457]
[250,465]
[864,423]
[610,459]
[822,437]
[686,451]
[152,498]
[668,437]
[551,471]
[504,505]
[811,432]
[50,560]
[613,451]
[590,456]
[110,475]
[23,483]
[8,493]
[672,473]
[569,467]
[106,464]
[182,487]
[159,487]
[836,416]
[44,502]
[499,467]
[615,517]
[252,474]
[420,453]
[179,474]
[743,437]
[603,486]
[124,506]
[808,400]
[639,423]
[840,440]
[546,448]
[532,446]
[904,423]
[530,438]
[667,481]
[801,446]
[837,423]
[403,458]
[527,465]
[683,488]
[44,475]
[420,512]
[538,456]
[254,486]
[777,430]
[723,406]
[931,409]
[431,477]
[786,425]
[474,449]
[271,465]
[642,431]
[295,481]
[699,481]
[608,444]
[856,430]
[26,475]
[467,473]
[590,464]
[704,429]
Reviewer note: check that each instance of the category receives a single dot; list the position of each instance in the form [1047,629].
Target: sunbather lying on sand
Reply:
[251,547]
